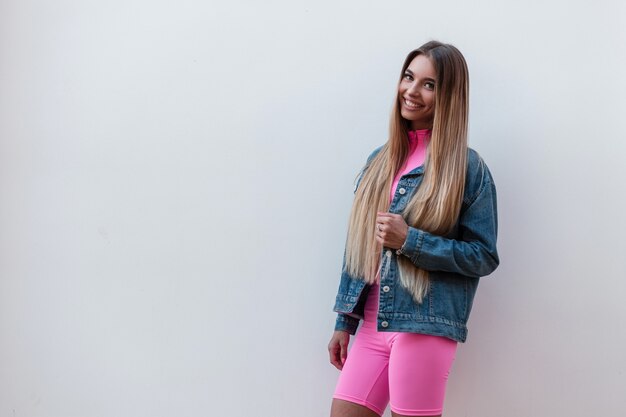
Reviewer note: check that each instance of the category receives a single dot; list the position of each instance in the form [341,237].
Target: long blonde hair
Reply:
[436,204]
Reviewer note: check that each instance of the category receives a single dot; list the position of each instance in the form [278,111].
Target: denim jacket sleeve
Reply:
[473,251]
[346,323]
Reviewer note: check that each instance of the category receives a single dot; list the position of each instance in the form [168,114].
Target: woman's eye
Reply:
[430,86]
[408,77]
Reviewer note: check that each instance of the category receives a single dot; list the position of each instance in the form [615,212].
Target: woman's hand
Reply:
[338,348]
[391,230]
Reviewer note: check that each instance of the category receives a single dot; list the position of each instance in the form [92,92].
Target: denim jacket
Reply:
[455,263]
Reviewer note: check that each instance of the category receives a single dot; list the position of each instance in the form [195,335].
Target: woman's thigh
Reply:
[419,366]
[364,377]
[409,369]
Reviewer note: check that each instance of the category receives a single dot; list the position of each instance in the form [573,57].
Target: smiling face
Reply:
[416,93]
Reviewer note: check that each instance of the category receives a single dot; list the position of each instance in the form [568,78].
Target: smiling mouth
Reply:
[411,105]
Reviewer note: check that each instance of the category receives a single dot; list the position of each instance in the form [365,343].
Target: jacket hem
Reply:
[430,327]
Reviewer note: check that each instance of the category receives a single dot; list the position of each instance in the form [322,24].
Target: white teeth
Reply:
[411,104]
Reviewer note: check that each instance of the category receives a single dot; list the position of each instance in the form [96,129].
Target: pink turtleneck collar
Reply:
[418,143]
[418,134]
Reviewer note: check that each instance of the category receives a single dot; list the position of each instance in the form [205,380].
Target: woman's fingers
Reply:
[343,344]
[333,350]
[334,359]
[338,349]
[385,220]
[391,229]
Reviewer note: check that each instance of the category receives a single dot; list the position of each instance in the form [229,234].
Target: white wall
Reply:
[175,179]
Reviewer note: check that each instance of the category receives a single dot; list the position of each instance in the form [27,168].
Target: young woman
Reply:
[422,231]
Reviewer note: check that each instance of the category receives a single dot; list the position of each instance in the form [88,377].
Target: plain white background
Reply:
[175,180]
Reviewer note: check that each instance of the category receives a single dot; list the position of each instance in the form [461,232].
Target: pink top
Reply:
[418,142]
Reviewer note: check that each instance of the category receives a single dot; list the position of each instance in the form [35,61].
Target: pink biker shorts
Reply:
[407,370]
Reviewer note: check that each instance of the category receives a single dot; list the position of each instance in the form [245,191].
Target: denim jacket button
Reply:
[386,288]
[388,253]
[402,191]
[384,324]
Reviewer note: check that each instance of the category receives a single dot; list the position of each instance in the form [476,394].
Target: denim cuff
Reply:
[412,245]
[346,323]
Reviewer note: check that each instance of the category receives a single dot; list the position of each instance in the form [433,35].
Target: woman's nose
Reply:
[413,89]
